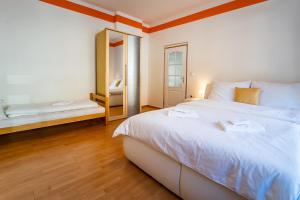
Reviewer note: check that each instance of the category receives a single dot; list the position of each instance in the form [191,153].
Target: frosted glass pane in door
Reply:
[178,70]
[179,81]
[175,69]
[172,70]
[178,58]
[172,58]
[172,81]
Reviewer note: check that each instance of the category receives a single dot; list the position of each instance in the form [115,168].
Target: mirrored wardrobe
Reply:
[118,73]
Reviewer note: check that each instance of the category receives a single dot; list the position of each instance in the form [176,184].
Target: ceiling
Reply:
[152,11]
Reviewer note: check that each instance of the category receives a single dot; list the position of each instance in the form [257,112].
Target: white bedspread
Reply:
[255,165]
[29,119]
[51,107]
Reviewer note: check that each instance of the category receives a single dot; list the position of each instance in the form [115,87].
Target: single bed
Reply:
[32,116]
[196,159]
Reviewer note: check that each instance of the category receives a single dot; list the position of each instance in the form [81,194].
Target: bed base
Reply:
[116,100]
[183,181]
[98,98]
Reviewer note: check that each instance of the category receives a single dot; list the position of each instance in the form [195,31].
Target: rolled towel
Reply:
[182,113]
[246,127]
[240,122]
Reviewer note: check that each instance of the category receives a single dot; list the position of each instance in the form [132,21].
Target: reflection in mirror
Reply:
[116,74]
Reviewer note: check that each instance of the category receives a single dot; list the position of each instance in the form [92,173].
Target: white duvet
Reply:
[255,165]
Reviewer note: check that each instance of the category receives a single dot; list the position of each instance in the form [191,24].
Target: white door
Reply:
[175,75]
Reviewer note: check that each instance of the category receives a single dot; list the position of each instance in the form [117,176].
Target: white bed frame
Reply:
[183,181]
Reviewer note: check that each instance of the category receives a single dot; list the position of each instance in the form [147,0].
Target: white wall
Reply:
[259,42]
[46,53]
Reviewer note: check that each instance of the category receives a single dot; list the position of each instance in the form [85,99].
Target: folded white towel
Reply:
[182,113]
[245,126]
[240,122]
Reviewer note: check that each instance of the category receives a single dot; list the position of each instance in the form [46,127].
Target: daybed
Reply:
[27,117]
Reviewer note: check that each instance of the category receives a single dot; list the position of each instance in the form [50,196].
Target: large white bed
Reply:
[196,159]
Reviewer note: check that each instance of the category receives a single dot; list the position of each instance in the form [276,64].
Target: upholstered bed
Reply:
[181,180]
[196,159]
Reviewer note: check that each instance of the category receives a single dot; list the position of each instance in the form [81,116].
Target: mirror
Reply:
[133,71]
[117,100]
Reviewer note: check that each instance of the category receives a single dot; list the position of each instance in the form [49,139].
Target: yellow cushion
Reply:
[118,83]
[247,95]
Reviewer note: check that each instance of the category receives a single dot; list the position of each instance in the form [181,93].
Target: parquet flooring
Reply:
[73,161]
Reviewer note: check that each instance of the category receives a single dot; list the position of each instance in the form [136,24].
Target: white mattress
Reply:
[34,109]
[257,165]
[22,120]
[116,100]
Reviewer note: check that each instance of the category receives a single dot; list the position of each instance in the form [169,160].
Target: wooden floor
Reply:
[116,110]
[75,161]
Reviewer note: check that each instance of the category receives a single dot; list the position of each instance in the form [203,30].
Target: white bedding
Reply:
[35,109]
[116,91]
[255,165]
[2,114]
[18,121]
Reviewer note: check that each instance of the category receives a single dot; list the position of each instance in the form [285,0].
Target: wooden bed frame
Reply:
[101,100]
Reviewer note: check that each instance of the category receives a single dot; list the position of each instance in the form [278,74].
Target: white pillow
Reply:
[224,91]
[113,84]
[2,114]
[279,95]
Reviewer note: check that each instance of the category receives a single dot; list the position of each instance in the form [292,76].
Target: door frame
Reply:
[186,69]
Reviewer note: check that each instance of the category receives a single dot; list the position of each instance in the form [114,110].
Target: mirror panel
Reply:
[133,82]
[116,87]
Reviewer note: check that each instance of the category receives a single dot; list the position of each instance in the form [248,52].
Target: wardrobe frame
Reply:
[102,73]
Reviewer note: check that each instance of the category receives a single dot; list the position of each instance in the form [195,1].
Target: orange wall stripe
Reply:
[129,22]
[146,29]
[115,44]
[206,13]
[94,13]
[233,5]
[81,9]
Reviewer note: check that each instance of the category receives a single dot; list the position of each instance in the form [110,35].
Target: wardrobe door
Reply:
[117,95]
[133,75]
[101,63]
